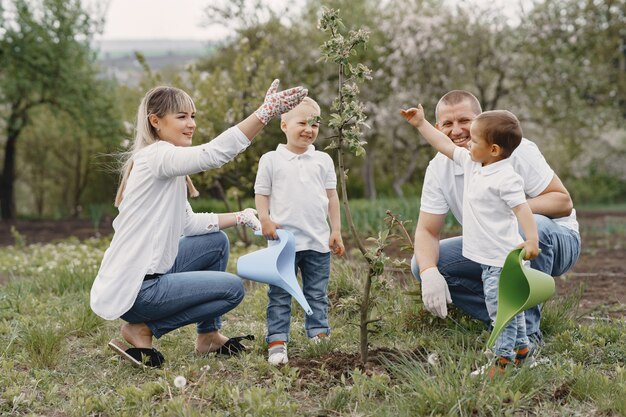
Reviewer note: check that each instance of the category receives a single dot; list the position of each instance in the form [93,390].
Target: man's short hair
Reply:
[458,96]
[502,128]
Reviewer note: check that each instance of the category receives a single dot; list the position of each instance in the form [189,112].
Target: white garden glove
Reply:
[279,102]
[247,217]
[435,292]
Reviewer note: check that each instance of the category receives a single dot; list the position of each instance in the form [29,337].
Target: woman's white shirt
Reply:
[153,215]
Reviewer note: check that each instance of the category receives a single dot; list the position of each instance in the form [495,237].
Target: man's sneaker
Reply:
[494,369]
[277,353]
[321,337]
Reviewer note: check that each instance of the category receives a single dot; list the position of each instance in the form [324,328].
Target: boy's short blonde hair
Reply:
[307,101]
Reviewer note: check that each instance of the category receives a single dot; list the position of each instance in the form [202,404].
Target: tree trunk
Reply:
[77,181]
[364,316]
[7,203]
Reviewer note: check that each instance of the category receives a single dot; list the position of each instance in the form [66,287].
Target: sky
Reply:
[156,19]
[160,19]
[180,19]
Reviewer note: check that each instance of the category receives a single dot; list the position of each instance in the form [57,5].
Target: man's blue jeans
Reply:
[315,270]
[514,333]
[195,290]
[560,249]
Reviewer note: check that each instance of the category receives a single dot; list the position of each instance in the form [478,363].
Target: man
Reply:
[448,277]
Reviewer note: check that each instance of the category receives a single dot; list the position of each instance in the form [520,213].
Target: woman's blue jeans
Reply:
[315,270]
[195,290]
[560,249]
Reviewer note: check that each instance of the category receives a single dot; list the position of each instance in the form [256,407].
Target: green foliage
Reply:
[54,102]
[53,355]
[43,344]
[347,112]
[557,65]
[597,187]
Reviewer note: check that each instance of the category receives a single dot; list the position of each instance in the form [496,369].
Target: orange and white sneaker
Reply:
[277,353]
[494,369]
[523,356]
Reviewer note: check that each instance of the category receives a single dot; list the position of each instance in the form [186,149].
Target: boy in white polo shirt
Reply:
[296,190]
[493,203]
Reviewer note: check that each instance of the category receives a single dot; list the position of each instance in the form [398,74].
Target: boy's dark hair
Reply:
[458,96]
[500,127]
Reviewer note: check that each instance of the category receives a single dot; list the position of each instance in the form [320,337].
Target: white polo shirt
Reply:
[443,182]
[296,186]
[490,228]
[153,215]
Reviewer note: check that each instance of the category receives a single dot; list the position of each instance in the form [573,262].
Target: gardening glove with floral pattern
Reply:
[247,217]
[279,102]
[435,292]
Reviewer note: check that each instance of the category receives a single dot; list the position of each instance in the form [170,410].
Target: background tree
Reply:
[575,90]
[45,61]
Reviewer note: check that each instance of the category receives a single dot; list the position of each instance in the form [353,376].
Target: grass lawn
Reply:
[54,359]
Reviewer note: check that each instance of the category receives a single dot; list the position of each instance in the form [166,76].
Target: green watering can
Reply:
[519,289]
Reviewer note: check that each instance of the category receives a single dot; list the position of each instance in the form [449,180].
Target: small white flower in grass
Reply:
[433,359]
[180,381]
[205,368]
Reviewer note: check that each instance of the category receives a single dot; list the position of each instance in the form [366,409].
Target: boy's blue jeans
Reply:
[315,270]
[560,249]
[514,333]
[195,290]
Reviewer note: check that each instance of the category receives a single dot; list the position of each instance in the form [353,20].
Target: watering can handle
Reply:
[272,242]
[522,254]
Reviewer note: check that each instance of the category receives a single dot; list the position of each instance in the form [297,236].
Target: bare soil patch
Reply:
[335,365]
[601,268]
[45,231]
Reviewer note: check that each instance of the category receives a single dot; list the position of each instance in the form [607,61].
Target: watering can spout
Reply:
[275,265]
[519,288]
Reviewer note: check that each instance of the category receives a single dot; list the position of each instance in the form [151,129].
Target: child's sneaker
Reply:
[319,338]
[277,353]
[493,370]
[524,356]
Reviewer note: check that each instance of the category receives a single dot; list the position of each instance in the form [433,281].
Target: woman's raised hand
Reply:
[279,102]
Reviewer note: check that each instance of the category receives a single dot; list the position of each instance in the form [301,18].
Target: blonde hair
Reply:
[159,101]
[307,101]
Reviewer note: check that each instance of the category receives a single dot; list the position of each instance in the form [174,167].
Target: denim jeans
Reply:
[195,290]
[560,249]
[315,270]
[514,333]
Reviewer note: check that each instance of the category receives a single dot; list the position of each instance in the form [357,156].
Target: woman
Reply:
[150,276]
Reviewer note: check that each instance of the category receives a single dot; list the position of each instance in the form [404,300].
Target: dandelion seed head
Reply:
[180,381]
[433,359]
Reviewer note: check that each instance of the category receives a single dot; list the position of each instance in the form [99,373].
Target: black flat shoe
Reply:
[233,346]
[140,357]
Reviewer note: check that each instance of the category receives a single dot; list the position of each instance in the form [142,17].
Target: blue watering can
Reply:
[275,265]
